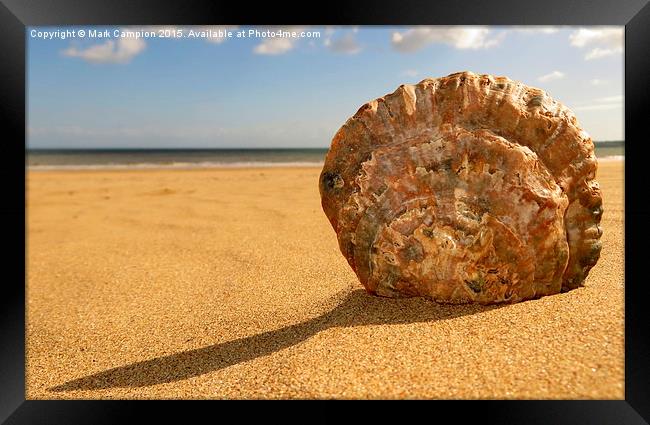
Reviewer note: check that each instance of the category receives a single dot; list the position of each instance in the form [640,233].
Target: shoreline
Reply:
[208,166]
[176,166]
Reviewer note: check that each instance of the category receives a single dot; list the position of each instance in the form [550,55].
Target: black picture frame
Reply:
[16,15]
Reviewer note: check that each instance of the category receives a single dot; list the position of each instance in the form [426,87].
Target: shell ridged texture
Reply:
[466,188]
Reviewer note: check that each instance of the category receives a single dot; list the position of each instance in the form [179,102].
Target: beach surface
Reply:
[229,283]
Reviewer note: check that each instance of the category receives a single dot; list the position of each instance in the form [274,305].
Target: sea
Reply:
[61,159]
[44,159]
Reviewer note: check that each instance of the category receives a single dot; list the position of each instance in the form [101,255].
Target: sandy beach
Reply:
[228,283]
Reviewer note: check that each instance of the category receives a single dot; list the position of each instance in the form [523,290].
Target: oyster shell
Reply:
[466,188]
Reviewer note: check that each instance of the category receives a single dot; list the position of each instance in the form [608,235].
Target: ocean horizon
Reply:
[127,158]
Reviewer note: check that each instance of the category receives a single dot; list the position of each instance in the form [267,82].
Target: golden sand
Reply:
[229,283]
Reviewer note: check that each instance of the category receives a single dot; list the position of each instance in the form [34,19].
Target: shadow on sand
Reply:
[356,309]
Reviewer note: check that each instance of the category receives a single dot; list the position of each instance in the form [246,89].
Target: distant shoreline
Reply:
[32,151]
[130,159]
[174,166]
[204,166]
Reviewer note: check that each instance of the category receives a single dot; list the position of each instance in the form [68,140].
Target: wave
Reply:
[612,158]
[176,165]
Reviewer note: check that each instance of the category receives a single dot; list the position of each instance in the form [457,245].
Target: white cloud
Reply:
[602,41]
[534,29]
[611,99]
[277,45]
[612,37]
[120,51]
[598,106]
[410,73]
[346,44]
[458,37]
[597,82]
[555,75]
[598,53]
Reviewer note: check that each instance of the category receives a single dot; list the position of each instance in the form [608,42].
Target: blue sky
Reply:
[211,91]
